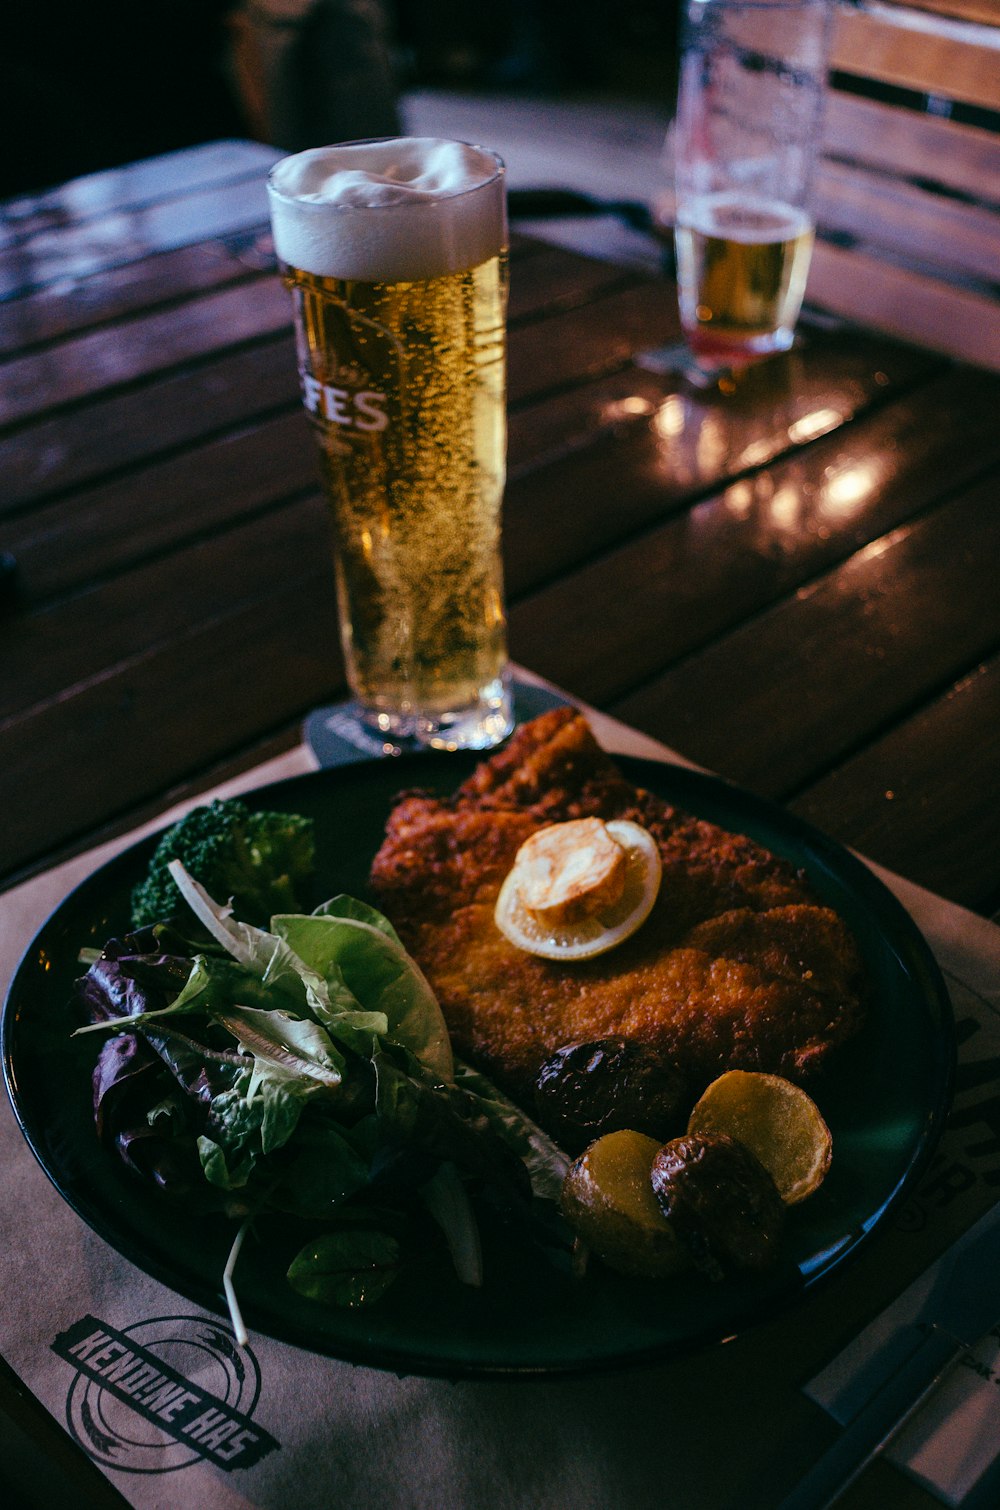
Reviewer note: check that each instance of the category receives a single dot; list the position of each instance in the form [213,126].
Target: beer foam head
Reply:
[736,215]
[401,209]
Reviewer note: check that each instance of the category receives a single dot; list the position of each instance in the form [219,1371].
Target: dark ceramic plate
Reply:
[529,1318]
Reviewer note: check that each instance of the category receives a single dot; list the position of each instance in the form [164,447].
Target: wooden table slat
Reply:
[260,552]
[136,427]
[53,314]
[132,187]
[681,581]
[52,653]
[136,408]
[132,732]
[63,543]
[139,346]
[81,249]
[790,694]
[769,410]
[552,280]
[922,800]
[68,545]
[588,343]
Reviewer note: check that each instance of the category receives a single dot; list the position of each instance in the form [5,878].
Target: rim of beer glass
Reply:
[327,206]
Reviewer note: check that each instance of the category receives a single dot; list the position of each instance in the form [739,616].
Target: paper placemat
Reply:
[176,1416]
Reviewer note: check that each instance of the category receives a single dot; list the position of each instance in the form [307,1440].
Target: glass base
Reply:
[728,349]
[477,726]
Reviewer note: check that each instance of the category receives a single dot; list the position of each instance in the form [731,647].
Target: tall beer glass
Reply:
[746,136]
[395,253]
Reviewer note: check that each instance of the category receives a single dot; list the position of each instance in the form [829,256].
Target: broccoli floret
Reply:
[260,861]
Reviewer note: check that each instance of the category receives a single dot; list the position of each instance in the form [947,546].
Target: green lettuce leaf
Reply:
[296,1046]
[350,907]
[349,1268]
[325,1167]
[283,1099]
[375,968]
[225,1172]
[546,1163]
[230,1146]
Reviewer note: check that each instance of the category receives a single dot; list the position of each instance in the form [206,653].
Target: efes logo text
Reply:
[355,411]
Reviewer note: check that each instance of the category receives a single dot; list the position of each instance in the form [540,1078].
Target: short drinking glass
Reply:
[746,137]
[395,252]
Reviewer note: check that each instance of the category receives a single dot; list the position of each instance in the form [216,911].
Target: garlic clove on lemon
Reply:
[570,871]
[577,889]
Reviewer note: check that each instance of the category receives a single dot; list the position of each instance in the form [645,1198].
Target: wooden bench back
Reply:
[910,175]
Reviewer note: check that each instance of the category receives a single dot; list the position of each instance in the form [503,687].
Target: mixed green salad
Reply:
[261,1059]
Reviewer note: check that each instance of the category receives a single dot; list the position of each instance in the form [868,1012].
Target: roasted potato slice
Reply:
[720,1202]
[608,1201]
[605,1085]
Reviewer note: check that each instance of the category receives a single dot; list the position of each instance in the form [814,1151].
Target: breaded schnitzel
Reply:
[737,967]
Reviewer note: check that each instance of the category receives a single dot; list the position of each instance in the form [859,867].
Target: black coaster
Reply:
[335,739]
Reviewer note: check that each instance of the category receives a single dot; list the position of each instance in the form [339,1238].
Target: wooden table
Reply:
[790,577]
[791,581]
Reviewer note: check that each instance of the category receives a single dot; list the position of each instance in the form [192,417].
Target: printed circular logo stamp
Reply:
[162,1394]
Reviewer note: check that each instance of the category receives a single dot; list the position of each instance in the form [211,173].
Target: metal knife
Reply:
[962,1306]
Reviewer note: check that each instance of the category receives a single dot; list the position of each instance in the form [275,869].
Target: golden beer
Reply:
[741,269]
[404,378]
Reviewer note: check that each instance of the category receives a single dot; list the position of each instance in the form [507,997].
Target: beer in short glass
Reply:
[749,117]
[395,252]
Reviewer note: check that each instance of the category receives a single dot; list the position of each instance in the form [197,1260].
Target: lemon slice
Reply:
[776,1120]
[610,923]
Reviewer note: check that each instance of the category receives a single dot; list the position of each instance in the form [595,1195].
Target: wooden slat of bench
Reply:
[984,11]
[906,304]
[878,801]
[902,141]
[848,656]
[912,50]
[918,224]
